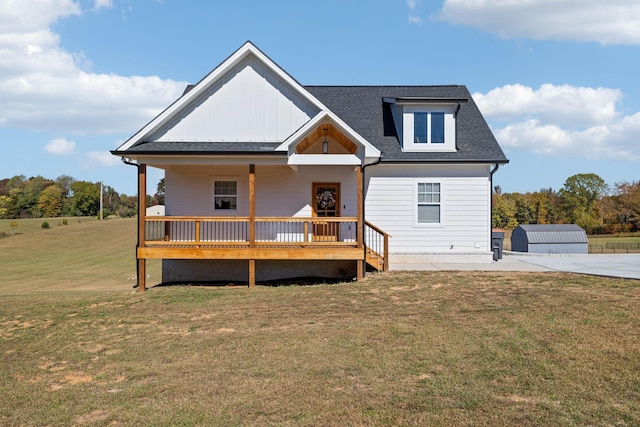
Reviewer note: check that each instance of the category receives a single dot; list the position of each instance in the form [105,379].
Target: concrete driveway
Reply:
[625,266]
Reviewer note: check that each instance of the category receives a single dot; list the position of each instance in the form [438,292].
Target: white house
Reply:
[269,179]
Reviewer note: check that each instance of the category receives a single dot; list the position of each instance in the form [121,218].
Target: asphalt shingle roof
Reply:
[203,147]
[363,109]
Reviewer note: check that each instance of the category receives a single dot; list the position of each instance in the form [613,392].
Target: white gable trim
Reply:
[248,49]
[365,150]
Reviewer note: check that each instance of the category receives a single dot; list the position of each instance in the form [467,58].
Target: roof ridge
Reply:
[386,86]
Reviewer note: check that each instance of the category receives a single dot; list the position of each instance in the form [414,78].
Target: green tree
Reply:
[16,181]
[550,209]
[525,209]
[64,182]
[504,212]
[86,198]
[622,210]
[4,204]
[127,206]
[580,195]
[32,190]
[158,198]
[51,201]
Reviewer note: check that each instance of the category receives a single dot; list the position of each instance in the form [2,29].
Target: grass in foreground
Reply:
[431,348]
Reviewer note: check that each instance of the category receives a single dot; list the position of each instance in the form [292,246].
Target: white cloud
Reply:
[605,22]
[100,159]
[44,87]
[100,4]
[413,17]
[60,146]
[563,103]
[562,120]
[25,16]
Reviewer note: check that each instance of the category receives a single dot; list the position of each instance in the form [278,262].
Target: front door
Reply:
[326,204]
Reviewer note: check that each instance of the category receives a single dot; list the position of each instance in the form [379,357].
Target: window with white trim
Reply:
[225,195]
[429,203]
[428,128]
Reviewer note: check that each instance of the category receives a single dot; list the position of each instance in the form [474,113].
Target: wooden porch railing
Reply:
[235,232]
[224,231]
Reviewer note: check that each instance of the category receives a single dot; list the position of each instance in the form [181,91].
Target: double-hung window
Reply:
[225,195]
[429,203]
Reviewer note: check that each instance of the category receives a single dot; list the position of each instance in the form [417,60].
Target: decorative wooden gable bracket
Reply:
[337,142]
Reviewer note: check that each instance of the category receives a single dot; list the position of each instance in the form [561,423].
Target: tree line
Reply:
[585,200]
[39,197]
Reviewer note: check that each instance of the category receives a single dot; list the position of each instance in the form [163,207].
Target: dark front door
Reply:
[326,204]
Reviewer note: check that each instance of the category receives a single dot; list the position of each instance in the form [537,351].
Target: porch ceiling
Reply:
[331,131]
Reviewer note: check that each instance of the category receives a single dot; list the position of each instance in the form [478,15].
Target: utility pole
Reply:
[101,200]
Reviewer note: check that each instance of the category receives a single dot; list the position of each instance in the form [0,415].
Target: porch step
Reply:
[375,260]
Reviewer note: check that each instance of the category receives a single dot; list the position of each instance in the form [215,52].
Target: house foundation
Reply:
[237,271]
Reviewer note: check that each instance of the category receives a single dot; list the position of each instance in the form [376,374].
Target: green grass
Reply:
[628,243]
[30,225]
[84,255]
[426,348]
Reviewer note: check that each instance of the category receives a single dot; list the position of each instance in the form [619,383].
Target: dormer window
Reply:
[420,127]
[426,124]
[437,128]
[428,128]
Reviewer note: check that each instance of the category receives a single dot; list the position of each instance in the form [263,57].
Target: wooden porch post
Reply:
[142,211]
[252,223]
[360,227]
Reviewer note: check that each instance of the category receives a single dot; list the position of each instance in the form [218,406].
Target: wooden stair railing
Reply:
[377,247]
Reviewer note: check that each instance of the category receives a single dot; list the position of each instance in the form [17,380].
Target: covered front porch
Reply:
[251,238]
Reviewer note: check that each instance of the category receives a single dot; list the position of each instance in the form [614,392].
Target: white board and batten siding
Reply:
[391,200]
[280,190]
[249,104]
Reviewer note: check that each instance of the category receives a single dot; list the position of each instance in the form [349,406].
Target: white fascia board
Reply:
[239,55]
[298,135]
[288,145]
[324,159]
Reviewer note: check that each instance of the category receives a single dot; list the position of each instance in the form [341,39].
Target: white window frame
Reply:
[213,193]
[416,202]
[408,140]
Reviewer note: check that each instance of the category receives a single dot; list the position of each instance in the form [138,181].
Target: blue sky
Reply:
[557,80]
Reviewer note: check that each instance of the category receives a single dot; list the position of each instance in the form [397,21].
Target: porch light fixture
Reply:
[325,144]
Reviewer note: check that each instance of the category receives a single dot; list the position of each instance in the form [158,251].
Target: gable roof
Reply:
[551,233]
[362,113]
[158,136]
